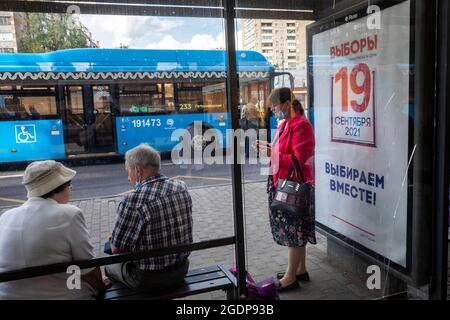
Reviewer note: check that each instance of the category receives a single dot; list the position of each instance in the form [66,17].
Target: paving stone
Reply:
[213,218]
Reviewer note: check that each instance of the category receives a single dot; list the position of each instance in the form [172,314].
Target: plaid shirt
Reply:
[156,215]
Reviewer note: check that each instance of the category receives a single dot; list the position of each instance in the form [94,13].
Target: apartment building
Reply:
[8,34]
[283,42]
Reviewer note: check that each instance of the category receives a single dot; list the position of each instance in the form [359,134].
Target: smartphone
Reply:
[107,247]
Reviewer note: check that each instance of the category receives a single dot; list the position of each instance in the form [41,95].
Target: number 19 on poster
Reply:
[353,110]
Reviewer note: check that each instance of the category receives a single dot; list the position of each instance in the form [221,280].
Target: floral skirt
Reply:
[289,230]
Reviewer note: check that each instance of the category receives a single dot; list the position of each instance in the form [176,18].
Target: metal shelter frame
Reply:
[432,86]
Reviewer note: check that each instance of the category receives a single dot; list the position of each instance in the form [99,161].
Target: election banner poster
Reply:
[361,94]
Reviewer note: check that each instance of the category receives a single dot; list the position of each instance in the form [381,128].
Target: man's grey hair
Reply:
[145,156]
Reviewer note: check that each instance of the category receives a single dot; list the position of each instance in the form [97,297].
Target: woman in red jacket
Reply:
[295,137]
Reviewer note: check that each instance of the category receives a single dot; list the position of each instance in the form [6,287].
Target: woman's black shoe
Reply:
[300,277]
[292,286]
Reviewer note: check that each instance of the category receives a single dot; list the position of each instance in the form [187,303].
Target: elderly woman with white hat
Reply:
[45,230]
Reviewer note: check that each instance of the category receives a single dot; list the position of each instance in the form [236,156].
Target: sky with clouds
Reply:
[140,32]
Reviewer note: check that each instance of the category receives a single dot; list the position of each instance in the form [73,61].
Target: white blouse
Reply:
[40,232]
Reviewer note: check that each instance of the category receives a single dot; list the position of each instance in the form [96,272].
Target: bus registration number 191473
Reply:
[144,123]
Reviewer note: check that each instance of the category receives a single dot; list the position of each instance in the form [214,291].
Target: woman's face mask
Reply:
[280,113]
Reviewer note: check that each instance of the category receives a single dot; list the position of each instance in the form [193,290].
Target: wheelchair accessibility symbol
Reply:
[26,133]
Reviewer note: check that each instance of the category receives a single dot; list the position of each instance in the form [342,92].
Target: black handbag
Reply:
[291,196]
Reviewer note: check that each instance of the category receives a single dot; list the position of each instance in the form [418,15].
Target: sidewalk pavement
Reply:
[213,218]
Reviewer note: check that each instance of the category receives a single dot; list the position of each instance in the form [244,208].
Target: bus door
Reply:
[88,123]
[102,123]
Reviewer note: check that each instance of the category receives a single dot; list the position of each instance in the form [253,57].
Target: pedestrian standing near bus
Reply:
[294,138]
[250,121]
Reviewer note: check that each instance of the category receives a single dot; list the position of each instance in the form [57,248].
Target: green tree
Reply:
[45,32]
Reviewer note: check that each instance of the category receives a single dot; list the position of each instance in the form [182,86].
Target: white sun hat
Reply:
[41,177]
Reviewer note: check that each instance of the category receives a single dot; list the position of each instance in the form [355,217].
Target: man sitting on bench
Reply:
[158,214]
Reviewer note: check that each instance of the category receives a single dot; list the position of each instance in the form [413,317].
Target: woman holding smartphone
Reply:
[294,138]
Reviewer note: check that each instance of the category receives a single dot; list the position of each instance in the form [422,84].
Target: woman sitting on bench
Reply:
[46,230]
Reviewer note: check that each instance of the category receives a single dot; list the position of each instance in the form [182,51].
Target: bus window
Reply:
[74,103]
[102,99]
[169,96]
[27,102]
[6,107]
[198,97]
[258,89]
[104,140]
[75,128]
[142,98]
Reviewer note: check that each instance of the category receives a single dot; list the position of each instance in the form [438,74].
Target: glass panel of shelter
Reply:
[114,109]
[178,104]
[338,263]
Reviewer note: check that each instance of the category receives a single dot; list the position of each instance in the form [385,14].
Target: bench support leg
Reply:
[231,293]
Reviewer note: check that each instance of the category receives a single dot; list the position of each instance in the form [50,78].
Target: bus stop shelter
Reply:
[424,165]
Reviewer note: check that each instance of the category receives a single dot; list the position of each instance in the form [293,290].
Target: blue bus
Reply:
[81,103]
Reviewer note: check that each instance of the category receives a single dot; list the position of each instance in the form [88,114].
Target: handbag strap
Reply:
[297,168]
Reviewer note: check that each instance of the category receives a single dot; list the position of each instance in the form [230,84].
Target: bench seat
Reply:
[211,278]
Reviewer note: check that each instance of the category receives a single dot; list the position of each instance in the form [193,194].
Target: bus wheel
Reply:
[198,141]
[199,144]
